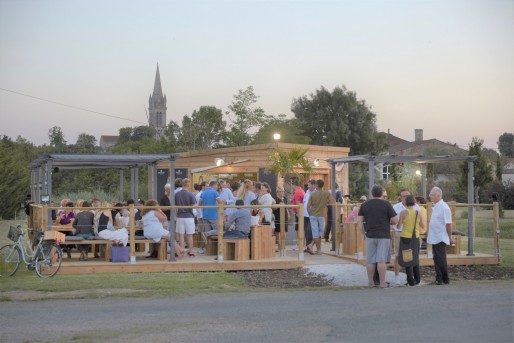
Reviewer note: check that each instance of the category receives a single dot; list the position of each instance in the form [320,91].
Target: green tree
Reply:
[338,118]
[289,164]
[124,135]
[14,187]
[204,130]
[483,171]
[506,145]
[141,132]
[56,137]
[86,144]
[244,117]
[499,168]
[289,129]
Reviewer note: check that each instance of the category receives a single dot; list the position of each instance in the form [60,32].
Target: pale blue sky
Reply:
[442,66]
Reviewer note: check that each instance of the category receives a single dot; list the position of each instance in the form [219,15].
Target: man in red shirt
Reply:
[298,195]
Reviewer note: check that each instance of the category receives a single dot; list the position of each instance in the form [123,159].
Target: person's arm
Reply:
[219,201]
[160,215]
[309,205]
[403,215]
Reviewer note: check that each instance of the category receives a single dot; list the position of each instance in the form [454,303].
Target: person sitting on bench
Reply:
[241,220]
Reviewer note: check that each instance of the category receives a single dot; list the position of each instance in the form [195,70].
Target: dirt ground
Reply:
[295,278]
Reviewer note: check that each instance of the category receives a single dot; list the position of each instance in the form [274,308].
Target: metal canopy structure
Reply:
[422,160]
[43,166]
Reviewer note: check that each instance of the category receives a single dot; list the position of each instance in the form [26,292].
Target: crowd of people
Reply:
[387,229]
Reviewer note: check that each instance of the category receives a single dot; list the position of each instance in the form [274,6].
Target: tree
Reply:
[245,117]
[499,168]
[506,145]
[56,137]
[204,130]
[288,164]
[338,118]
[483,171]
[86,143]
[290,131]
[15,185]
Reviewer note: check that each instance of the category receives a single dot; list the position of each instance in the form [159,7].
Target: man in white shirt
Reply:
[399,207]
[440,234]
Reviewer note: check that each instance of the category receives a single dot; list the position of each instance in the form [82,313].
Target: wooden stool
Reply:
[237,249]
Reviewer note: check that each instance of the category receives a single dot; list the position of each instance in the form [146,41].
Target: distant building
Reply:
[402,147]
[156,116]
[107,141]
[508,173]
[157,106]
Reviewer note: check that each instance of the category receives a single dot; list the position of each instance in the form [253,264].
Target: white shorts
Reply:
[186,225]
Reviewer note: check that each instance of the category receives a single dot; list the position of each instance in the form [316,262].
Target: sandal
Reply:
[308,251]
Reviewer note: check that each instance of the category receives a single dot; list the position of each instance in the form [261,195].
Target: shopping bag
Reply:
[120,253]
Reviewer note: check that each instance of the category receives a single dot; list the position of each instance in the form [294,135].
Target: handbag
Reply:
[406,256]
[120,253]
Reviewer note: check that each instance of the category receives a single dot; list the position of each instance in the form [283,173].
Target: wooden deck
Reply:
[198,263]
[203,263]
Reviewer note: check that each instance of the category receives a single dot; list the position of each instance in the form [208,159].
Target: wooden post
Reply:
[132,233]
[301,234]
[220,233]
[337,228]
[429,215]
[496,229]
[282,241]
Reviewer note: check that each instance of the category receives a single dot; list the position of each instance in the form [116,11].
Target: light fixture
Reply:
[219,161]
[276,136]
[418,172]
[316,162]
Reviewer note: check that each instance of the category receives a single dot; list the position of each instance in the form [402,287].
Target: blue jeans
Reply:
[317,226]
[83,247]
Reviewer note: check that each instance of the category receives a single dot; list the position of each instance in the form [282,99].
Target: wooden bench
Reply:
[106,245]
[237,249]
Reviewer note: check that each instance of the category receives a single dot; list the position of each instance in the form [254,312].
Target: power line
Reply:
[71,106]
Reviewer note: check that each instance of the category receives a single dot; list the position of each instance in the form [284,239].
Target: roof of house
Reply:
[106,139]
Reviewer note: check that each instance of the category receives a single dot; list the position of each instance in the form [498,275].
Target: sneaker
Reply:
[295,248]
[200,250]
[397,280]
[192,254]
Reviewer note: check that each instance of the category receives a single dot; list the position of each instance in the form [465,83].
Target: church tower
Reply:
[157,106]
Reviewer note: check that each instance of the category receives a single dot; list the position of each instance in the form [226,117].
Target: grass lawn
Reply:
[108,285]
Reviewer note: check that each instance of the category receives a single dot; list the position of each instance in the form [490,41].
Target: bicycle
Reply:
[46,259]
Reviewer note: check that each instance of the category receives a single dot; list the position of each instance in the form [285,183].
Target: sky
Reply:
[444,66]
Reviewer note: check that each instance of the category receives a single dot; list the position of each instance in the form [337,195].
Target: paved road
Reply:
[456,313]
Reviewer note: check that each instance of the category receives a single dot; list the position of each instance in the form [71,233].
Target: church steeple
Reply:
[157,105]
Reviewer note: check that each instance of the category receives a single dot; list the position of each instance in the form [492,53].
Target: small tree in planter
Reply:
[287,164]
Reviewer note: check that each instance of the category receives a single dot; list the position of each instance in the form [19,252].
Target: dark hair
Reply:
[312,182]
[86,204]
[239,202]
[320,183]
[254,202]
[235,186]
[409,200]
[130,201]
[212,183]
[420,200]
[377,191]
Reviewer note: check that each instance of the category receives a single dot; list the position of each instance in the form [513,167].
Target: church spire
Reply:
[157,90]
[157,106]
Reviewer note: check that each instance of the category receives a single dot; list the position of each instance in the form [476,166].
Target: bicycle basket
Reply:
[14,233]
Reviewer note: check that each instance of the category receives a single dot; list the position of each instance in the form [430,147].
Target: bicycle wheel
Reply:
[10,259]
[48,260]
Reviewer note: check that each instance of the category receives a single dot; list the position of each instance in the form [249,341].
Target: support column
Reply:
[471,201]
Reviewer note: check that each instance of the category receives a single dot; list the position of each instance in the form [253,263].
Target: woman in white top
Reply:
[153,229]
[267,199]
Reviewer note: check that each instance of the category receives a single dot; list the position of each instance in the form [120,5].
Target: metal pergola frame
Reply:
[43,165]
[371,160]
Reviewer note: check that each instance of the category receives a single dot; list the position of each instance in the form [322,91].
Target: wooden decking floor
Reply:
[203,263]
